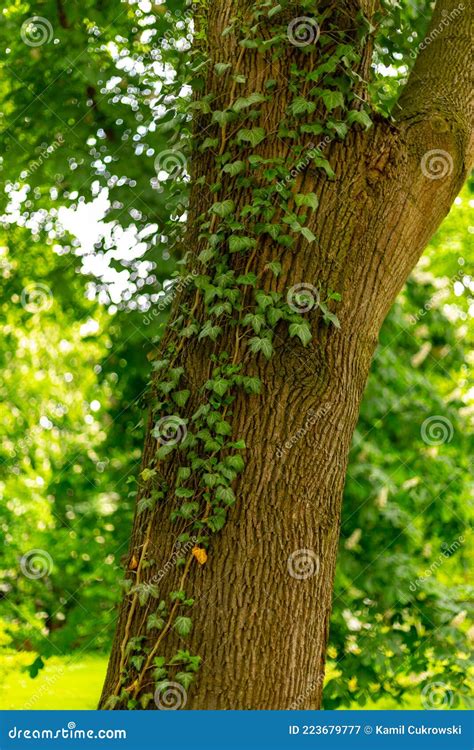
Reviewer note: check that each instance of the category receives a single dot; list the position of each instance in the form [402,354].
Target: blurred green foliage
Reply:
[82,120]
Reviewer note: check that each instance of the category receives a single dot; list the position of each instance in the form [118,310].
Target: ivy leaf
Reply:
[220,386]
[254,136]
[188,510]
[180,397]
[112,701]
[238,244]
[307,234]
[154,621]
[183,625]
[249,43]
[252,384]
[263,300]
[320,161]
[217,521]
[223,428]
[247,279]
[163,450]
[224,208]
[273,230]
[274,314]
[300,105]
[185,679]
[238,444]
[234,168]
[221,68]
[273,11]
[189,330]
[235,462]
[145,700]
[264,345]
[225,495]
[307,199]
[210,331]
[184,492]
[256,321]
[146,503]
[332,99]
[209,143]
[302,331]
[244,102]
[361,117]
[275,267]
[147,474]
[329,317]
[222,117]
[339,127]
[137,662]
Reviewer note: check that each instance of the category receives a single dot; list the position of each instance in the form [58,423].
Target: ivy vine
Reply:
[224,300]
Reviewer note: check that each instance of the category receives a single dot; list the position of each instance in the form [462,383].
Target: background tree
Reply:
[73,172]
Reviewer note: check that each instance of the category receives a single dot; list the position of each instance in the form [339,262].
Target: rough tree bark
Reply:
[262,633]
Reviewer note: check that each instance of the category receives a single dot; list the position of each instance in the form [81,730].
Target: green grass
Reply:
[76,683]
[64,683]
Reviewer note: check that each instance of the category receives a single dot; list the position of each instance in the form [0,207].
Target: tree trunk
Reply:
[263,598]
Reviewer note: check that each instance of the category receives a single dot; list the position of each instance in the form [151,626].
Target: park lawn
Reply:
[64,683]
[76,683]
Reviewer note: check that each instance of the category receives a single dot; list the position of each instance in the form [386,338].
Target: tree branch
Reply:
[439,89]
